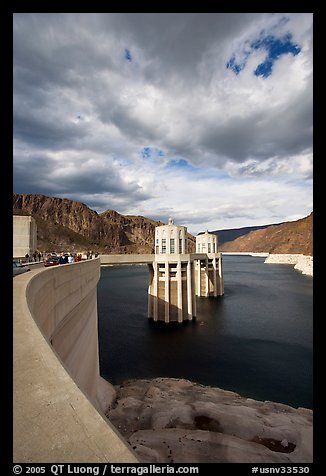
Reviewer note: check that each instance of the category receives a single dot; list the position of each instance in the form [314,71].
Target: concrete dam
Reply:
[59,398]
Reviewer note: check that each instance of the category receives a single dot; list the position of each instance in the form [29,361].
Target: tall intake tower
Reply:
[209,268]
[176,275]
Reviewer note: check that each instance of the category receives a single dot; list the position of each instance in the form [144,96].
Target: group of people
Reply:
[64,257]
[36,256]
[69,258]
[90,254]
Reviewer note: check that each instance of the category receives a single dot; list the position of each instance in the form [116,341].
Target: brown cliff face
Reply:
[138,230]
[291,237]
[67,224]
[74,215]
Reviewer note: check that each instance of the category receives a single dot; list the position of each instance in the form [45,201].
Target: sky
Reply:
[205,118]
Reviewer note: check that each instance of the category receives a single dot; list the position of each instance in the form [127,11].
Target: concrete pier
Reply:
[171,295]
[209,275]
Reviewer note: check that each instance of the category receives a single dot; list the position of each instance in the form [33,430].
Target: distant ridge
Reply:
[233,233]
[294,237]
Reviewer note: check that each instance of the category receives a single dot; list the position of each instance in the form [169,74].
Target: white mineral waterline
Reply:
[301,262]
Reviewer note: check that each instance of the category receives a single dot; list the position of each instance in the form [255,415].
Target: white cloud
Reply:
[291,167]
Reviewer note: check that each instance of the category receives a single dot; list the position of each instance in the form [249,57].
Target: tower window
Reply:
[209,247]
[172,250]
[180,245]
[163,245]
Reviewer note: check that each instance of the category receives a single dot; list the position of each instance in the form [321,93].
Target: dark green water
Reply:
[255,340]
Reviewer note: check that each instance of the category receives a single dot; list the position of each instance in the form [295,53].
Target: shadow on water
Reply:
[255,340]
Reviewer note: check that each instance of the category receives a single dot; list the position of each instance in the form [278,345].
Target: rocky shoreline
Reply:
[169,420]
[302,263]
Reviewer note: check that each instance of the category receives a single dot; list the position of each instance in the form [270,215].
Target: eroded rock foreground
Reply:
[169,420]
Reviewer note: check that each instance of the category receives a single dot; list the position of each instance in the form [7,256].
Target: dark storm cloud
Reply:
[45,131]
[179,40]
[276,132]
[112,111]
[262,136]
[46,176]
[35,174]
[48,47]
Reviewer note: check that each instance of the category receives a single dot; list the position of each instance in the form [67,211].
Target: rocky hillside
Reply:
[289,237]
[65,224]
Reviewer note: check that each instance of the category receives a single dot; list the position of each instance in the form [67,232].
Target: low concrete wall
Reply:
[59,395]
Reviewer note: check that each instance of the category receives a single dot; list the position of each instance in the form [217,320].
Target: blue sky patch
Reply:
[274,47]
[128,56]
[236,67]
[146,153]
[181,163]
[151,152]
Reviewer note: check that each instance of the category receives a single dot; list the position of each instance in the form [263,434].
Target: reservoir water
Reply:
[255,340]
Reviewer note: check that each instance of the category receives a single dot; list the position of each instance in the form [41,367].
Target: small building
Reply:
[171,239]
[206,243]
[24,236]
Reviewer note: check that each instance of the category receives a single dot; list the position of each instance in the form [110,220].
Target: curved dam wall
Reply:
[59,396]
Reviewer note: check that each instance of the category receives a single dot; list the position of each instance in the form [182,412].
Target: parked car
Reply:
[51,261]
[19,268]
